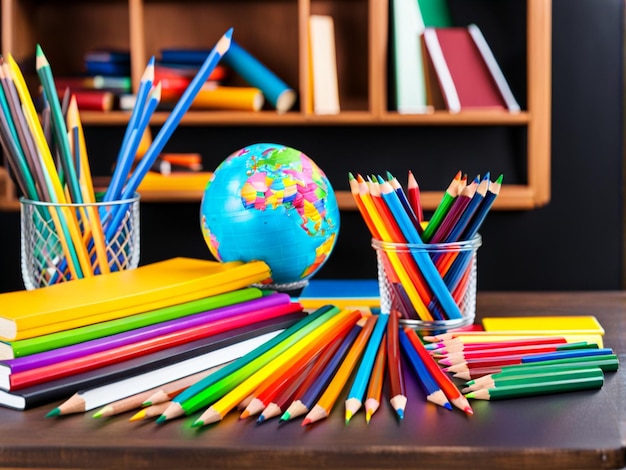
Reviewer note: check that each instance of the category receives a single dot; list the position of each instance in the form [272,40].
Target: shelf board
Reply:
[270,118]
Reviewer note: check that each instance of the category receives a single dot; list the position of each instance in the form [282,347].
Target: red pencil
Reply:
[414,197]
[394,365]
[457,345]
[445,383]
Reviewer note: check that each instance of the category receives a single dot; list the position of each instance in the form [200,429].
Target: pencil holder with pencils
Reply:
[62,242]
[431,285]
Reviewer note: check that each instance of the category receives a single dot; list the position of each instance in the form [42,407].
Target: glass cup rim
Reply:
[463,245]
[24,201]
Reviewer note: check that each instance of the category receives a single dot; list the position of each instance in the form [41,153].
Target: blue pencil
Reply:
[434,394]
[422,259]
[304,404]
[584,352]
[357,391]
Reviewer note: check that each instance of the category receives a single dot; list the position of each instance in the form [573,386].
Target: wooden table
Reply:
[565,431]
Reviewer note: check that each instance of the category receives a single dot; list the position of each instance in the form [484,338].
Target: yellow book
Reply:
[545,323]
[229,97]
[25,314]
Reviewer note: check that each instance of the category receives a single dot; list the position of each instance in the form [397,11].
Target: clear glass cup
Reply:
[432,286]
[62,242]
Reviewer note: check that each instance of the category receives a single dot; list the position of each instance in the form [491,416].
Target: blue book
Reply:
[341,293]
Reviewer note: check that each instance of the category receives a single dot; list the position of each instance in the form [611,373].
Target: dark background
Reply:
[573,243]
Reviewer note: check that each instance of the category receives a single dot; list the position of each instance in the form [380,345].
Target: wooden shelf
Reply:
[361,28]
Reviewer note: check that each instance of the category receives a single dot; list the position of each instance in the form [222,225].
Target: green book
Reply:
[25,347]
[435,13]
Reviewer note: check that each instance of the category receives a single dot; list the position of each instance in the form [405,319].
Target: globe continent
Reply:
[272,203]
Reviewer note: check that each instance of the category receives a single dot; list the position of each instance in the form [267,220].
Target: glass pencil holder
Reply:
[64,241]
[431,286]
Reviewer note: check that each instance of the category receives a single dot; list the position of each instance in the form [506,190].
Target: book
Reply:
[115,84]
[579,324]
[61,339]
[175,181]
[436,13]
[92,100]
[341,293]
[228,97]
[43,367]
[407,26]
[50,391]
[81,302]
[466,72]
[323,63]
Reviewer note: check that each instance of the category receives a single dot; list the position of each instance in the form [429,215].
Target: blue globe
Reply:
[271,203]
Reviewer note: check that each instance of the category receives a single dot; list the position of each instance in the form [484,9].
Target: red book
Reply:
[92,100]
[466,73]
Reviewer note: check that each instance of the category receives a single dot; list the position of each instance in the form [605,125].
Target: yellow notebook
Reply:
[25,314]
[545,323]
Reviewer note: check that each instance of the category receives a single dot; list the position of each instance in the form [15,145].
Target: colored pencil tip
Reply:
[260,419]
[447,406]
[53,412]
[146,403]
[161,419]
[197,423]
[244,414]
[285,417]
[468,410]
[470,395]
[138,416]
[306,421]
[348,416]
[400,413]
[368,416]
[98,413]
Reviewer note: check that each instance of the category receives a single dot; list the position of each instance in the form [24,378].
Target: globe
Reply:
[272,203]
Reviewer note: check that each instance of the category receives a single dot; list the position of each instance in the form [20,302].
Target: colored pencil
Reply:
[152,411]
[458,357]
[519,358]
[122,380]
[304,403]
[223,405]
[124,156]
[200,393]
[538,388]
[433,391]
[608,362]
[394,366]
[456,345]
[221,47]
[375,385]
[152,396]
[414,197]
[268,390]
[397,187]
[327,400]
[497,380]
[425,263]
[443,380]
[357,391]
[442,208]
[457,208]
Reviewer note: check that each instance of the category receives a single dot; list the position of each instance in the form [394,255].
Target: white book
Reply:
[407,29]
[323,65]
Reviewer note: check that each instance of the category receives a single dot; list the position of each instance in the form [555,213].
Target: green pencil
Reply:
[442,209]
[537,388]
[497,380]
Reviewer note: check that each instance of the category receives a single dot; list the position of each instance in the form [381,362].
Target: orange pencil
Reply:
[375,386]
[325,403]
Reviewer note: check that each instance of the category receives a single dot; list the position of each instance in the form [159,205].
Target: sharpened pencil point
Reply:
[400,413]
[348,416]
[447,406]
[468,410]
[98,414]
[285,417]
[260,419]
[53,412]
[244,414]
[306,421]
[197,423]
[146,403]
[138,416]
[161,419]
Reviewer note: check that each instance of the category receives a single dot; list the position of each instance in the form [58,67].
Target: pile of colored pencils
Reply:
[429,285]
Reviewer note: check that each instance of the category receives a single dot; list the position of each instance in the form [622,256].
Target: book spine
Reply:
[235,98]
[441,67]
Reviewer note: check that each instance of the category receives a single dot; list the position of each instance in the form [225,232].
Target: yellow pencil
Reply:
[231,399]
[325,403]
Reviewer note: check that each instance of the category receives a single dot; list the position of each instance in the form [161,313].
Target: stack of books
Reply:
[58,340]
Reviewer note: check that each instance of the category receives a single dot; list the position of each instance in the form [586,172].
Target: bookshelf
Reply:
[361,29]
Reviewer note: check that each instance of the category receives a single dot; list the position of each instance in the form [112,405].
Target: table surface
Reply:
[585,429]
